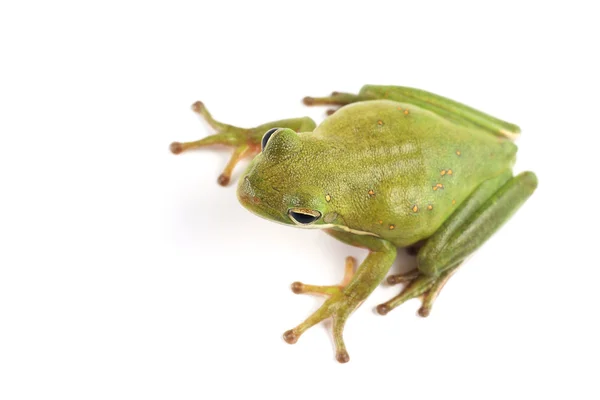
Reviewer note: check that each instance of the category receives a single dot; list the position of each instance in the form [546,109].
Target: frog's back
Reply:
[404,169]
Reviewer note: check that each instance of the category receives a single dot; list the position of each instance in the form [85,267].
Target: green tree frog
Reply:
[391,167]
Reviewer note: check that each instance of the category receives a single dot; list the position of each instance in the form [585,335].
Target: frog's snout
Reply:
[245,192]
[260,201]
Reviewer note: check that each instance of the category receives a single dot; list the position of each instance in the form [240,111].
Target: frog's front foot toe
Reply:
[338,307]
[290,336]
[176,147]
[227,135]
[223,179]
[301,288]
[342,357]
[198,107]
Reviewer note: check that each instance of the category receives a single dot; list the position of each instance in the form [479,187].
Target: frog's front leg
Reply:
[474,222]
[246,142]
[354,289]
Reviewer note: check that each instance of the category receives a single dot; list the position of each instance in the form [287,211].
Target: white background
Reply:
[128,273]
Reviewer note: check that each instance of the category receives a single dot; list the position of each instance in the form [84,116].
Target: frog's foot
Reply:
[227,135]
[336,99]
[245,142]
[417,285]
[338,306]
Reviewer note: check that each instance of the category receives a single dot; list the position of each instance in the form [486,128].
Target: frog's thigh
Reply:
[471,225]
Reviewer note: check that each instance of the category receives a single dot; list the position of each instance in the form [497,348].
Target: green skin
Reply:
[393,167]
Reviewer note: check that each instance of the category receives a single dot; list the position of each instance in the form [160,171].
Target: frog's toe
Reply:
[198,106]
[383,309]
[223,179]
[338,307]
[424,311]
[301,288]
[336,98]
[432,294]
[342,357]
[418,285]
[290,336]
[403,278]
[176,147]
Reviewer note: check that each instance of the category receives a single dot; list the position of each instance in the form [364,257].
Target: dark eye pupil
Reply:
[303,218]
[267,136]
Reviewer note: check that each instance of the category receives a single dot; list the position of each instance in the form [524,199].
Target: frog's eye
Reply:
[303,216]
[266,137]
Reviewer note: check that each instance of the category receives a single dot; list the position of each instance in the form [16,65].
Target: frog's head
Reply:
[280,183]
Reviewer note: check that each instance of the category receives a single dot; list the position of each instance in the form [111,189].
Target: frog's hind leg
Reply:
[245,142]
[482,214]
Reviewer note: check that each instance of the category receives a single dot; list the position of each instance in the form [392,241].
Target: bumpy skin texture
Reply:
[393,167]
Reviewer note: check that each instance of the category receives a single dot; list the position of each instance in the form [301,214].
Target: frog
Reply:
[390,168]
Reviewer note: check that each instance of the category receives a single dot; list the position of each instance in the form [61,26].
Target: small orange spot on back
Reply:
[443,172]
[328,198]
[458,152]
[380,122]
[430,207]
[440,185]
[400,108]
[449,172]
[380,222]
[415,208]
[371,192]
[392,227]
[405,112]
